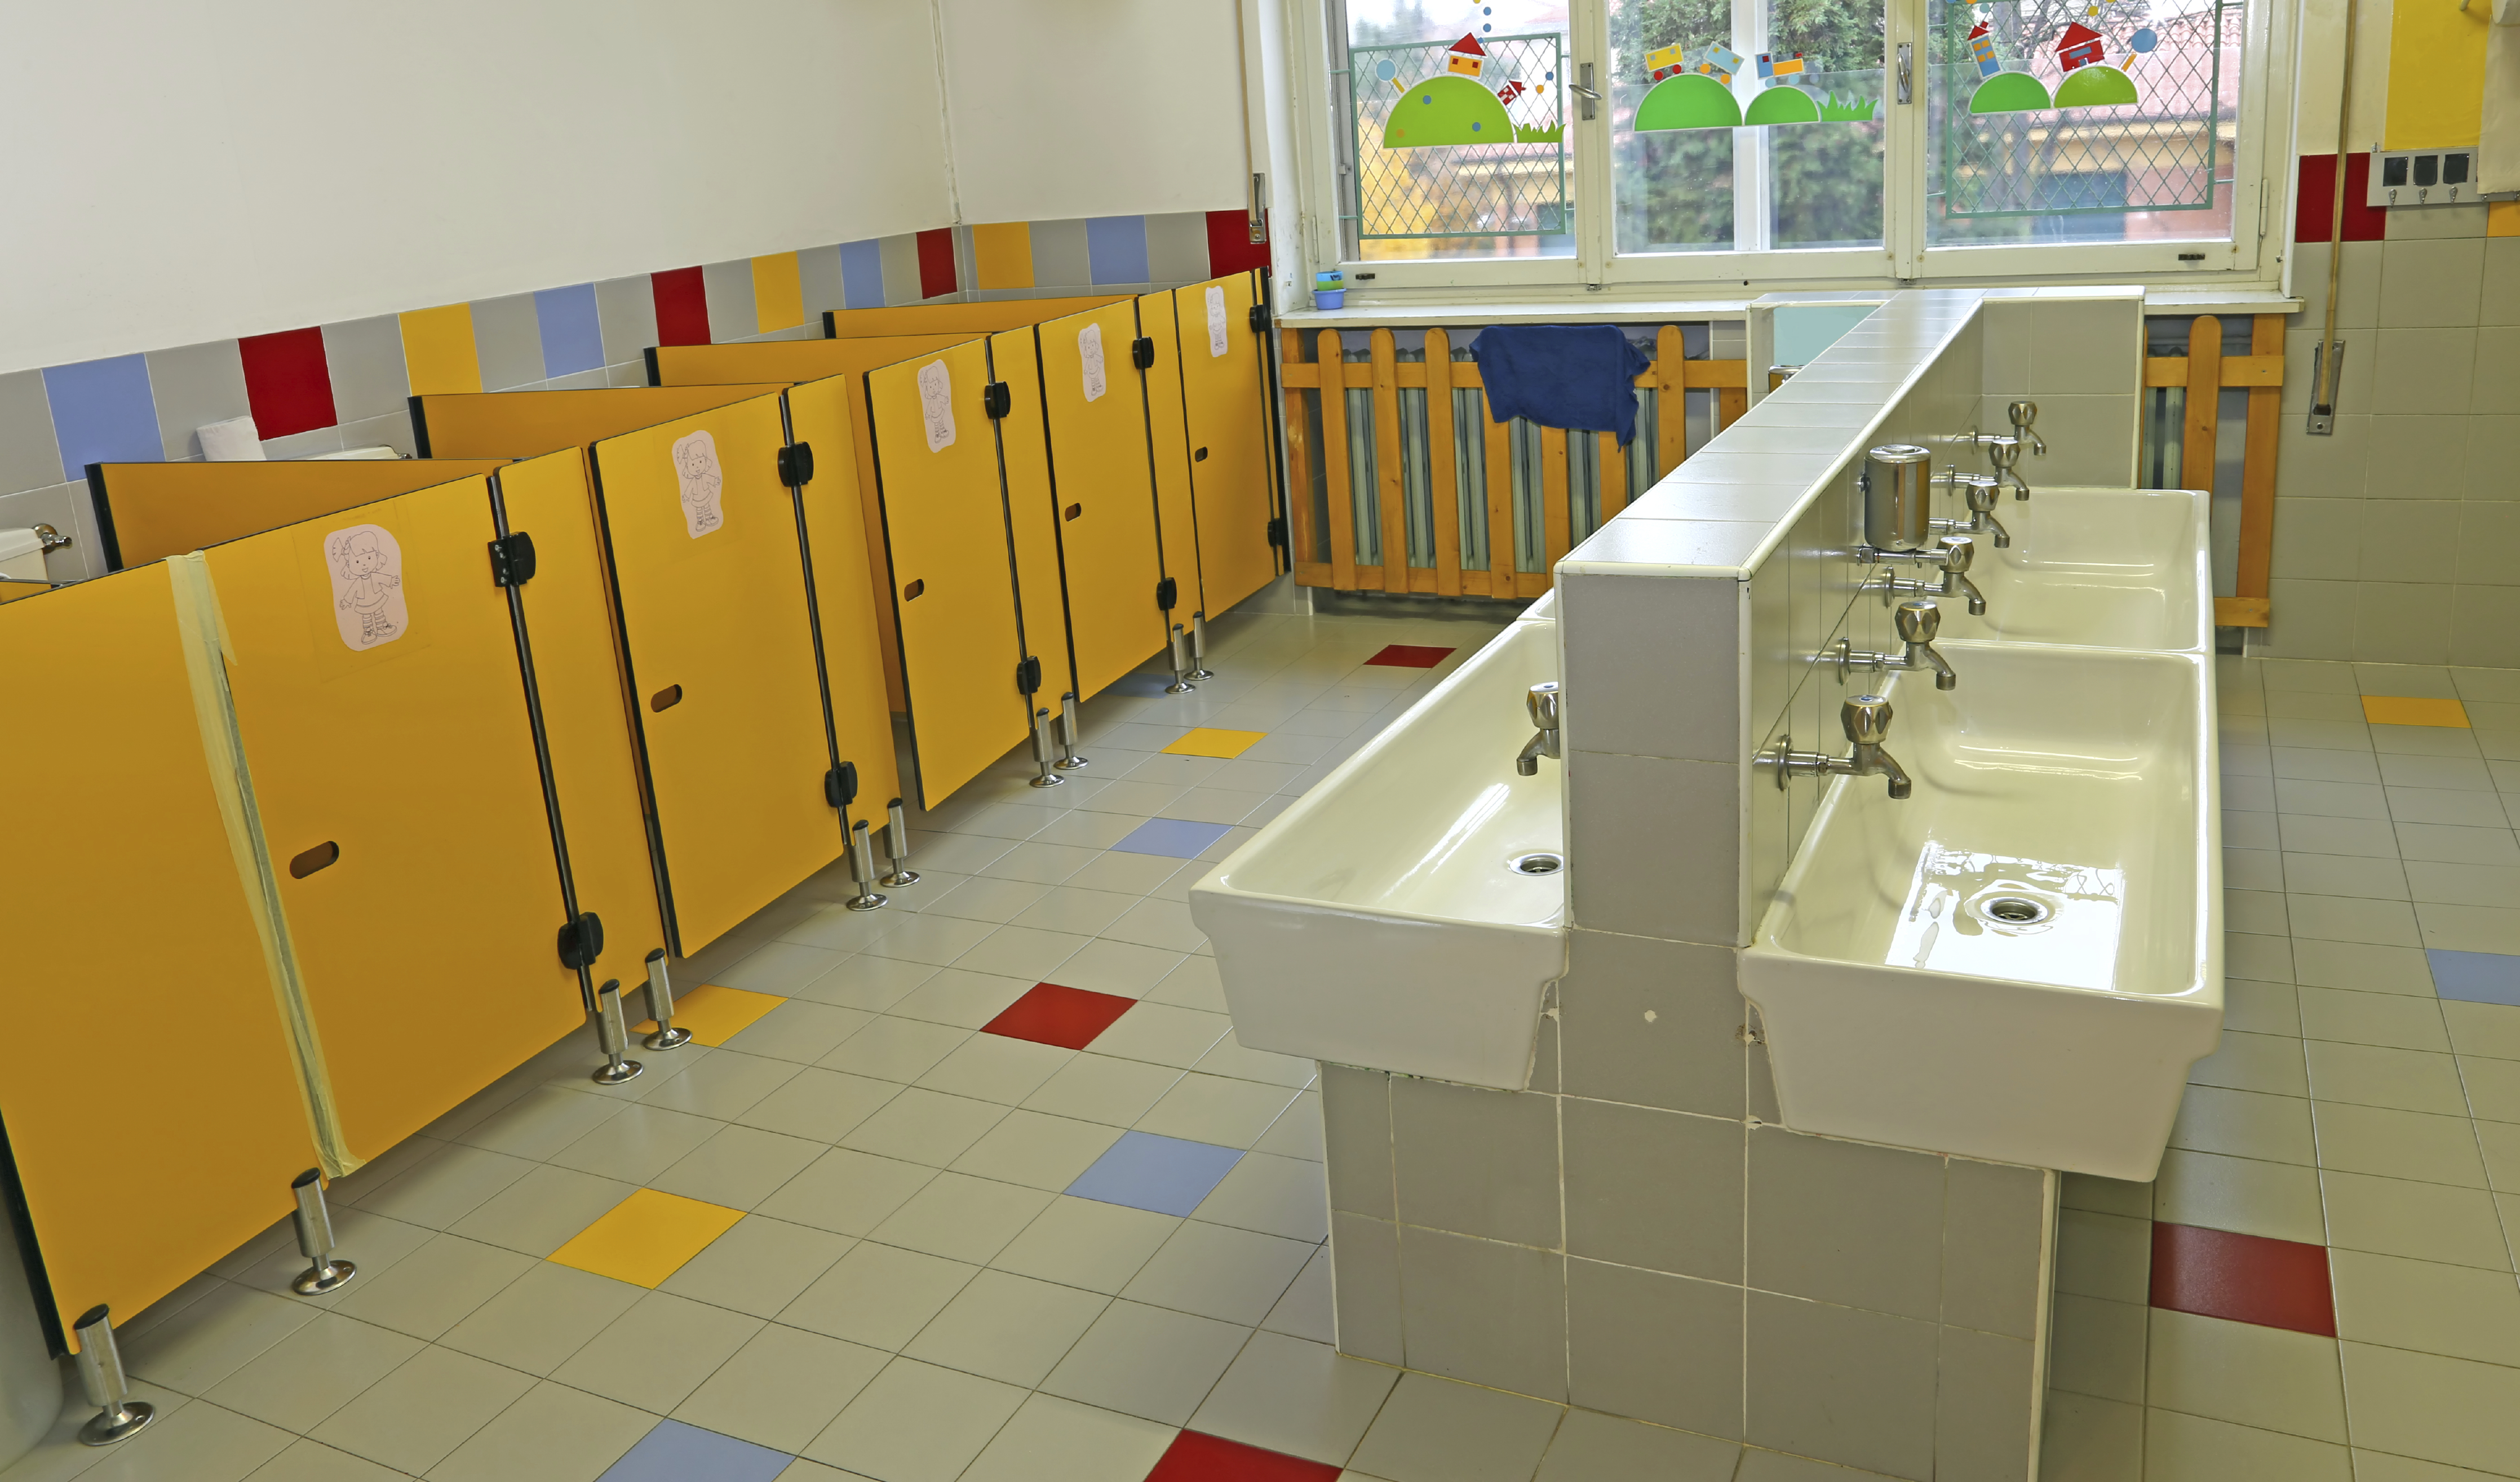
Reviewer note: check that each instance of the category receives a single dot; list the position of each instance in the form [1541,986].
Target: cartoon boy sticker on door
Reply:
[365,566]
[696,468]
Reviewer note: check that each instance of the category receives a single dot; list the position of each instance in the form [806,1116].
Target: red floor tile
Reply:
[2245,1278]
[1410,656]
[1196,1458]
[1050,1015]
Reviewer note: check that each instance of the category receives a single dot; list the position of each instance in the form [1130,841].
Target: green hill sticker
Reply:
[1689,100]
[1782,105]
[2010,92]
[1447,111]
[2098,85]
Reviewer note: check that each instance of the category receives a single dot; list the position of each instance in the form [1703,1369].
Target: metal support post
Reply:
[862,868]
[613,1035]
[896,846]
[660,1006]
[109,1388]
[314,1219]
[1068,728]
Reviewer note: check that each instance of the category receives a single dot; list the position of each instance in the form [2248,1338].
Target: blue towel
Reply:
[1579,377]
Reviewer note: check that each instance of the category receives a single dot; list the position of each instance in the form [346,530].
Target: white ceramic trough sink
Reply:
[1901,1005]
[1381,921]
[2111,568]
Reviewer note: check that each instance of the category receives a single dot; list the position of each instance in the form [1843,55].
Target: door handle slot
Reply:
[317,858]
[665,699]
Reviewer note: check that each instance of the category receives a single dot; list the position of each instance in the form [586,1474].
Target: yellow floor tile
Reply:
[715,1015]
[2395,710]
[1207,741]
[647,1238]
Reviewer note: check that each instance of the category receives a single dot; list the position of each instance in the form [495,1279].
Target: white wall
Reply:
[1095,107]
[177,172]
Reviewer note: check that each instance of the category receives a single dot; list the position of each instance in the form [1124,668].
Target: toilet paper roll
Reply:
[234,440]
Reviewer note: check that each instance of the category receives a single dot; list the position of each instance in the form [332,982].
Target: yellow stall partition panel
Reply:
[373,675]
[586,715]
[1169,443]
[1032,512]
[1225,399]
[1093,395]
[710,589]
[818,416]
[522,424]
[954,595]
[151,1099]
[146,512]
[964,318]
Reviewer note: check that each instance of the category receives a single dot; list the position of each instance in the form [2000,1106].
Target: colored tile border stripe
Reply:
[2242,1278]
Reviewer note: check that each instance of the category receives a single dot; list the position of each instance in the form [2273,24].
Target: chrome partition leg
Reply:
[1198,668]
[109,1388]
[314,1219]
[1181,684]
[660,1006]
[1042,758]
[861,869]
[896,846]
[614,1035]
[1069,728]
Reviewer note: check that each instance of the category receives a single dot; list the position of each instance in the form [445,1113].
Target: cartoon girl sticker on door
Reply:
[696,470]
[366,566]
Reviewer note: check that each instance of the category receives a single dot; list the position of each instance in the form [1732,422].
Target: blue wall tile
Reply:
[573,330]
[1117,246]
[861,274]
[103,413]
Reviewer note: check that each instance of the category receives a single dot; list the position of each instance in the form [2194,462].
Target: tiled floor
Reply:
[2320,1285]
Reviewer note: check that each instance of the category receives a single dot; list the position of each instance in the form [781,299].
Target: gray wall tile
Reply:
[732,314]
[1641,827]
[1653,1022]
[1478,1162]
[1686,706]
[1846,1221]
[817,272]
[1176,248]
[2498,371]
[2501,301]
[1596,1448]
[2435,221]
[1660,1189]
[196,386]
[627,309]
[2422,370]
[2401,622]
[1852,1388]
[2431,284]
[1487,1313]
[363,357]
[1659,1348]
[507,339]
[1364,1284]
[31,454]
[1982,1409]
[1994,1230]
[1059,255]
[393,430]
[2317,539]
[303,444]
[2485,626]
[2406,539]
[1356,1122]
[2310,619]
[2095,1347]
[900,269]
[64,507]
[2420,456]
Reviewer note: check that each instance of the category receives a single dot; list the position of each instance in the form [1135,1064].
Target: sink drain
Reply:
[1537,863]
[2015,910]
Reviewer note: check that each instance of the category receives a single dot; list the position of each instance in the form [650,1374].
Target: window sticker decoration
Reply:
[2080,59]
[364,563]
[1472,140]
[936,405]
[1696,92]
[702,482]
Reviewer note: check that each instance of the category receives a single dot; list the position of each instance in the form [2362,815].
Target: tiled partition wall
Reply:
[326,388]
[1635,1234]
[2397,538]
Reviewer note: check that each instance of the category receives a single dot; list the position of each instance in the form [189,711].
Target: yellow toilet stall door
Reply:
[703,539]
[1032,512]
[1225,398]
[376,694]
[953,596]
[818,416]
[151,1105]
[1106,500]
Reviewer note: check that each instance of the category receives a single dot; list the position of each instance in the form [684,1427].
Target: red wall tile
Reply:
[2316,194]
[936,262]
[287,382]
[2245,1278]
[1230,248]
[682,306]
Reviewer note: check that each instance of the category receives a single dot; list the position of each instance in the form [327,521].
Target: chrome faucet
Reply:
[2004,450]
[1543,704]
[1980,491]
[1866,719]
[2023,415]
[1919,621]
[1953,554]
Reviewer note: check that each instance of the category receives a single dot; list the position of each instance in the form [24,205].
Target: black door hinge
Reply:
[1167,592]
[512,559]
[797,464]
[1259,319]
[1278,531]
[1143,351]
[1029,676]
[840,784]
[997,398]
[581,941]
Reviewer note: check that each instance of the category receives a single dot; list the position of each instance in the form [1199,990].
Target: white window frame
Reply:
[2250,261]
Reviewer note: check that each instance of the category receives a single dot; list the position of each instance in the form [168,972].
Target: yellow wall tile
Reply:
[778,291]
[2502,218]
[437,350]
[1002,256]
[2436,74]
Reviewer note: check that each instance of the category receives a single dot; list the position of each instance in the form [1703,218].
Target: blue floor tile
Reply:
[2478,977]
[677,1453]
[1174,837]
[1167,1174]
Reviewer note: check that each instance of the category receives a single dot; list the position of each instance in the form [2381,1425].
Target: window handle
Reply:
[1583,89]
[1906,71]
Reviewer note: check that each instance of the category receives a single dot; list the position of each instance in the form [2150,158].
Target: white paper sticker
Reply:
[1216,338]
[697,469]
[936,405]
[1089,347]
[366,566]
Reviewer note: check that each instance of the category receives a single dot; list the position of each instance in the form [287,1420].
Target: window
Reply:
[1540,143]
